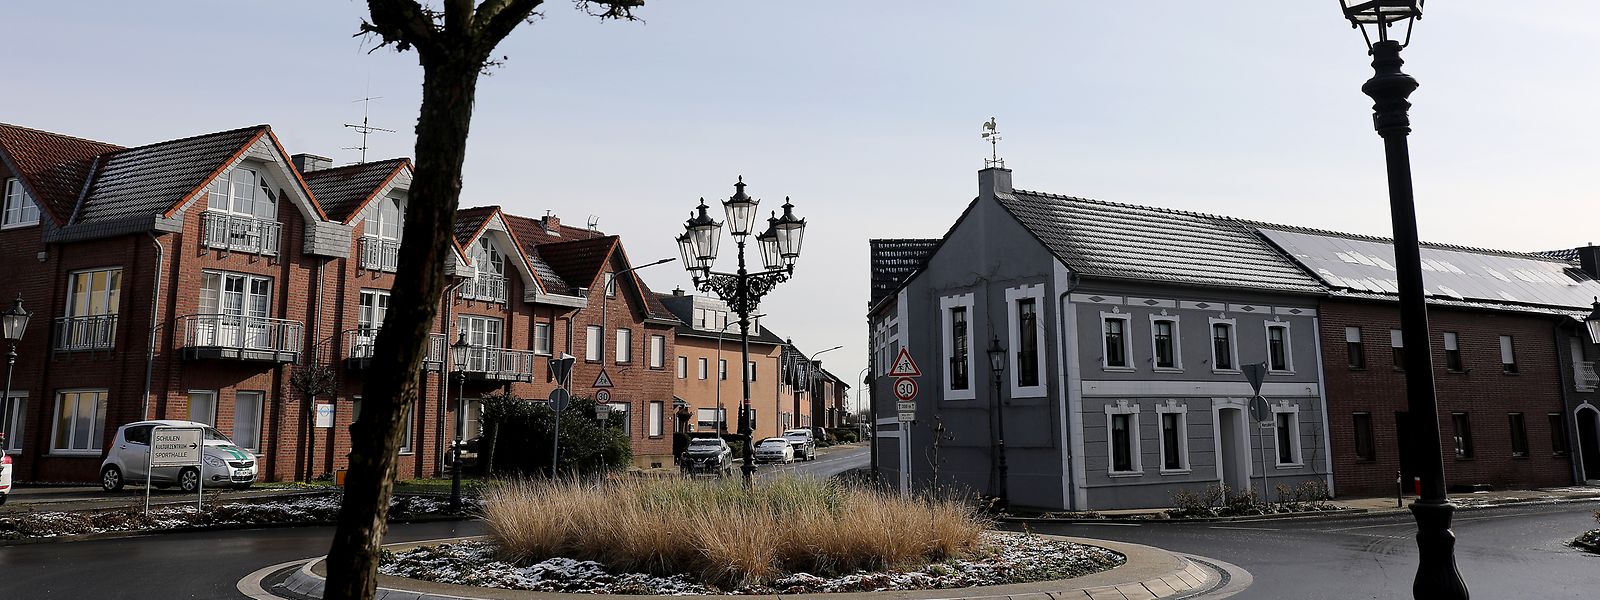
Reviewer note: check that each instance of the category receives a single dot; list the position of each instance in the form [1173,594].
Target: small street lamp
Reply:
[458,354]
[779,246]
[1390,89]
[997,366]
[1592,322]
[13,322]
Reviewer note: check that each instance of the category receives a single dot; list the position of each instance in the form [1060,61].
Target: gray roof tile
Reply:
[150,180]
[893,260]
[343,191]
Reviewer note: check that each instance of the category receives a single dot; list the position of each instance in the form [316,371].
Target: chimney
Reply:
[993,181]
[677,291]
[307,163]
[1589,260]
[551,223]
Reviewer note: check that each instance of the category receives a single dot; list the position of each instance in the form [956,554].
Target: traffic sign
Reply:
[559,399]
[602,396]
[602,380]
[602,411]
[908,416]
[175,446]
[1255,374]
[905,406]
[904,366]
[1259,410]
[905,388]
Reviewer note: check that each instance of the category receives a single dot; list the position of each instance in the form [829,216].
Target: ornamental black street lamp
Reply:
[997,367]
[1389,88]
[458,355]
[742,290]
[1592,323]
[13,322]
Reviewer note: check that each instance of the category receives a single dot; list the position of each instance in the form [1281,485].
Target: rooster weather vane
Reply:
[993,135]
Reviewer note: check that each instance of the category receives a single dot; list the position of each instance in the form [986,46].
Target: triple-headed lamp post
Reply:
[13,322]
[742,289]
[1389,88]
[458,355]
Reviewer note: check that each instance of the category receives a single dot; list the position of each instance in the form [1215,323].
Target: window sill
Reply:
[1366,460]
[1519,457]
[1456,371]
[1358,368]
[1289,372]
[1125,474]
[1226,371]
[1028,393]
[406,453]
[1463,459]
[1177,471]
[73,454]
[1118,369]
[1509,373]
[1290,465]
[19,226]
[1167,369]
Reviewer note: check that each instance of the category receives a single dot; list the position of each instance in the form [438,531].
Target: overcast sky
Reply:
[868,113]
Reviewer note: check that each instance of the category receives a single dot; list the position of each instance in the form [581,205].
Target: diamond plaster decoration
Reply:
[1295,311]
[1248,308]
[1151,302]
[1203,305]
[1097,298]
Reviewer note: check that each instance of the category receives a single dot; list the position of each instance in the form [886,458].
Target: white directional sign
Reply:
[176,446]
[905,406]
[908,416]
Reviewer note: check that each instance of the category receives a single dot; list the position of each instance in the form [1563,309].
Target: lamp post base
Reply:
[1437,576]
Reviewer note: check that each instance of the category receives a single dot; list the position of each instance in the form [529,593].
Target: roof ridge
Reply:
[1390,241]
[1161,209]
[63,135]
[261,127]
[319,172]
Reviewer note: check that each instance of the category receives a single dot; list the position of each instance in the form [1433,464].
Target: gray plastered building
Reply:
[1123,330]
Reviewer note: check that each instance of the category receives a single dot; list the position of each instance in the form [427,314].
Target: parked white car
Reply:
[5,477]
[805,446]
[222,463]
[775,449]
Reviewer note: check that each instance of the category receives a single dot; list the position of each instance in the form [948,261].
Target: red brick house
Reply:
[189,278]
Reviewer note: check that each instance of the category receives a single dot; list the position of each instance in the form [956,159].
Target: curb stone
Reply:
[1149,574]
[1272,517]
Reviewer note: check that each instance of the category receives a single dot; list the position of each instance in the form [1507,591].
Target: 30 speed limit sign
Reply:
[905,388]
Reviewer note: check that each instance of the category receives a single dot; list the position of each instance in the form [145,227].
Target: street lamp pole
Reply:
[997,368]
[1390,88]
[13,322]
[742,289]
[458,352]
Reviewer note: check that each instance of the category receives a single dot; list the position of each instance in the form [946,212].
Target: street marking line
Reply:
[250,586]
[1246,528]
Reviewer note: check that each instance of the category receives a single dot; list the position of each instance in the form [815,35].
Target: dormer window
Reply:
[490,283]
[487,257]
[20,208]
[242,213]
[244,192]
[380,237]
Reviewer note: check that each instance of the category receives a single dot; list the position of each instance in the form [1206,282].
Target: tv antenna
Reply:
[364,127]
[993,135]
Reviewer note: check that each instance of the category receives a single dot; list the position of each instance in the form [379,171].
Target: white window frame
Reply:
[211,417]
[408,430]
[946,305]
[15,213]
[1293,411]
[1127,342]
[541,339]
[1233,343]
[683,367]
[750,370]
[1397,345]
[1122,407]
[1288,347]
[658,351]
[1177,344]
[624,353]
[594,347]
[239,397]
[1035,292]
[1352,335]
[610,284]
[16,408]
[722,369]
[1452,343]
[658,411]
[371,314]
[373,224]
[720,415]
[97,424]
[228,201]
[704,368]
[1171,407]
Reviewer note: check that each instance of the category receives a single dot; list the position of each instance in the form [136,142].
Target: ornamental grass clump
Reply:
[726,534]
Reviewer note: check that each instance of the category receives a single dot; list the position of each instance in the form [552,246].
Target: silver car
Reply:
[222,463]
[775,449]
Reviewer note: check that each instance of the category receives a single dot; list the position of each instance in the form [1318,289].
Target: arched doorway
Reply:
[1588,419]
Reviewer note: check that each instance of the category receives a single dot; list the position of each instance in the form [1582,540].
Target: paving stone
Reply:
[1134,591]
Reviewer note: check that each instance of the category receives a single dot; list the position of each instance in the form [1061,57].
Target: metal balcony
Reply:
[359,344]
[486,286]
[239,233]
[1584,376]
[233,337]
[500,365]
[380,254]
[87,333]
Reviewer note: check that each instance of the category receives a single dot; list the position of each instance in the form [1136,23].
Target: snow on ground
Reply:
[316,508]
[1004,558]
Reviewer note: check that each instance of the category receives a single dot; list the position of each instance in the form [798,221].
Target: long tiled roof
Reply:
[53,165]
[1104,239]
[343,191]
[151,180]
[893,260]
[578,261]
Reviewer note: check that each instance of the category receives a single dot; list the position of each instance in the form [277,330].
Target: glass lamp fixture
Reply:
[704,233]
[14,321]
[1380,15]
[768,243]
[458,351]
[997,355]
[741,210]
[1592,323]
[791,231]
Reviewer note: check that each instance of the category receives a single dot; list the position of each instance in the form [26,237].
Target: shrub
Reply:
[729,535]
[518,432]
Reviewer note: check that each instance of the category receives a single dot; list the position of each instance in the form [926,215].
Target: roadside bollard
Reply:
[1399,491]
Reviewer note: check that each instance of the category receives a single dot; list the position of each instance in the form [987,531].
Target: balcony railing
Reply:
[240,338]
[380,254]
[359,344]
[76,334]
[486,286]
[500,364]
[1584,375]
[239,233]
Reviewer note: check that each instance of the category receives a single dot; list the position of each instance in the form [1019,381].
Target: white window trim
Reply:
[55,417]
[261,417]
[624,352]
[1127,341]
[1036,292]
[549,342]
[657,353]
[683,367]
[947,303]
[702,368]
[1135,453]
[1182,410]
[1177,344]
[1288,347]
[1293,410]
[1233,343]
[594,344]
[656,413]
[1508,353]
[22,196]
[15,441]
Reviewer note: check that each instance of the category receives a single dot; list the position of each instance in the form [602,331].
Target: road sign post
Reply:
[1260,412]
[176,446]
[905,372]
[561,368]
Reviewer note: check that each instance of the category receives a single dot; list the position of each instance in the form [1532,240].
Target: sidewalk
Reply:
[1376,505]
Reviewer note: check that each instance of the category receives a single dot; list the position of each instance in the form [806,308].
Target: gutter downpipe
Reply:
[155,307]
[1574,459]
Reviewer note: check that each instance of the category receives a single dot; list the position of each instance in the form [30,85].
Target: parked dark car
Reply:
[708,456]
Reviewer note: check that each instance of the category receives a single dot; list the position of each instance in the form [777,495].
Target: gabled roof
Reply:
[1120,241]
[154,179]
[528,233]
[52,166]
[345,191]
[470,221]
[895,259]
[579,262]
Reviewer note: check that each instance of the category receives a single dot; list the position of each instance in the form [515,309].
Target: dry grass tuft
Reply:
[729,535]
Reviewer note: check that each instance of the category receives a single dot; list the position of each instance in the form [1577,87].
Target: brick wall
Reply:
[1480,389]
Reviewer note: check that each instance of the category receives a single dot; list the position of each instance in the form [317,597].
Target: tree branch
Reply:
[403,23]
[496,19]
